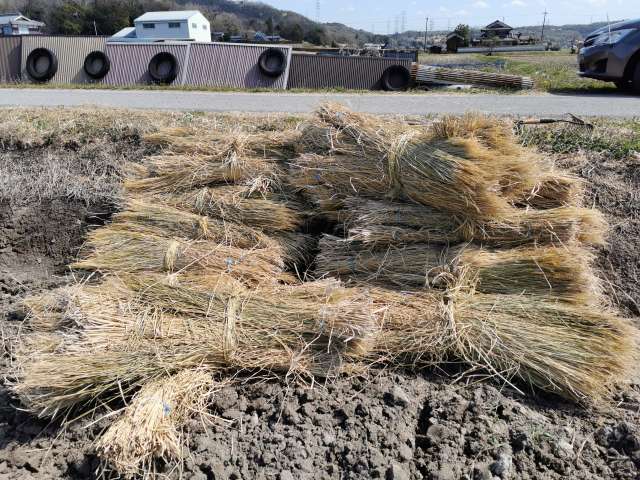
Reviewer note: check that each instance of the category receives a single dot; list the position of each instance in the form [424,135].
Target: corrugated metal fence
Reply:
[70,51]
[130,61]
[199,64]
[10,56]
[232,65]
[319,71]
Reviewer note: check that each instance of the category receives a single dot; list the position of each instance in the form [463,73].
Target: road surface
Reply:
[611,105]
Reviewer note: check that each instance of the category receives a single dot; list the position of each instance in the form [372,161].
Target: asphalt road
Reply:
[611,105]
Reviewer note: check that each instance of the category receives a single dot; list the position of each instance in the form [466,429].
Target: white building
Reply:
[180,25]
[17,24]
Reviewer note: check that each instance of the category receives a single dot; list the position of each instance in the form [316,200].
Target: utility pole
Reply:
[544,21]
[426,30]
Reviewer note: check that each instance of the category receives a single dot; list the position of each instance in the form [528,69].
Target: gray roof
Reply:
[180,15]
[127,32]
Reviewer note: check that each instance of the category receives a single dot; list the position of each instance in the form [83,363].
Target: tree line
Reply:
[105,17]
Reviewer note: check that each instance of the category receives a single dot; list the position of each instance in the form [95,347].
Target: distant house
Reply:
[264,38]
[187,25]
[496,29]
[454,42]
[17,24]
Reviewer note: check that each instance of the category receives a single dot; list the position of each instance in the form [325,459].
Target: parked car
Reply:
[612,54]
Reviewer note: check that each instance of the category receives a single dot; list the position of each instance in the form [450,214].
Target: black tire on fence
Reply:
[272,62]
[396,78]
[163,68]
[42,64]
[97,65]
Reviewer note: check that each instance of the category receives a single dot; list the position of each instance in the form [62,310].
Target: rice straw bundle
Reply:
[457,175]
[555,190]
[150,427]
[544,188]
[230,204]
[423,173]
[513,173]
[417,328]
[493,132]
[323,314]
[148,217]
[125,338]
[180,173]
[223,145]
[114,250]
[575,351]
[559,272]
[379,224]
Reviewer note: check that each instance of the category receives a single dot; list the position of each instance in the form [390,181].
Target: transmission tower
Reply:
[318,11]
[404,22]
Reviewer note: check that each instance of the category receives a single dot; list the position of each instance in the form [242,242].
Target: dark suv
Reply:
[612,54]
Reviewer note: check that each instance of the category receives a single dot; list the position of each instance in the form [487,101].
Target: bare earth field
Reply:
[60,173]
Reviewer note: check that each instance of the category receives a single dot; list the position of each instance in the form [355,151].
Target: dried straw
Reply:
[555,190]
[542,186]
[572,350]
[116,250]
[379,224]
[125,338]
[144,216]
[562,272]
[183,173]
[224,144]
[150,427]
[372,157]
[231,204]
[576,351]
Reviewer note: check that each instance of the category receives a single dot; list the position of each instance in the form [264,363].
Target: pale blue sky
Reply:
[383,15]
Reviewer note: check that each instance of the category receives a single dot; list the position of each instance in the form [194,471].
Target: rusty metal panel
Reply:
[232,65]
[70,51]
[10,55]
[130,61]
[327,71]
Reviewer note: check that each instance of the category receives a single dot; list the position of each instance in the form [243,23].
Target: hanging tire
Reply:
[272,62]
[42,64]
[97,65]
[163,68]
[396,78]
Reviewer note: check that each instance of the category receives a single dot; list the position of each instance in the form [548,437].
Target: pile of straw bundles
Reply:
[347,242]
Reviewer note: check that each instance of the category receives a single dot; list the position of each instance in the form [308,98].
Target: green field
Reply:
[551,71]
